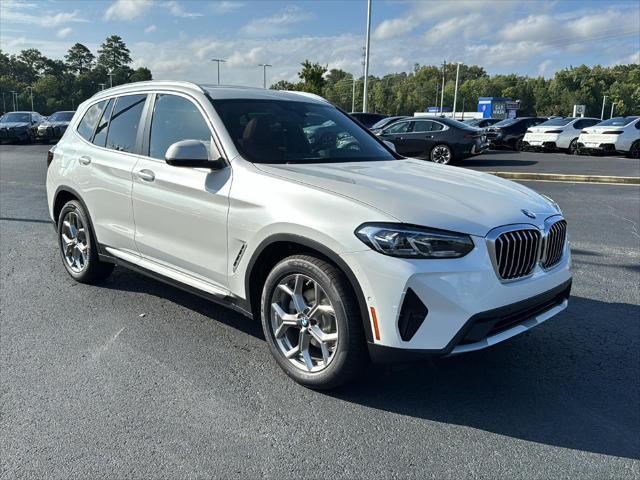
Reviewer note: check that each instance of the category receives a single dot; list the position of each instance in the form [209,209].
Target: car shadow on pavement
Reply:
[571,383]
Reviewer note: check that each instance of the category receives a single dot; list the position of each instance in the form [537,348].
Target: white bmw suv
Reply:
[344,250]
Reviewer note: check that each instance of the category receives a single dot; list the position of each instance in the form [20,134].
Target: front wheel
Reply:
[312,323]
[634,151]
[78,245]
[441,154]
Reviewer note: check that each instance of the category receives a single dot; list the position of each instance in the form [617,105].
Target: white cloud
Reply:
[150,29]
[277,24]
[245,59]
[64,33]
[457,27]
[127,9]
[226,7]
[177,11]
[17,12]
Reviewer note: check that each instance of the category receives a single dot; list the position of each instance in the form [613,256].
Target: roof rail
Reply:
[154,83]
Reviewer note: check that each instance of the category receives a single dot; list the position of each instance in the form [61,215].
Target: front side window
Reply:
[400,127]
[125,119]
[175,119]
[273,131]
[90,120]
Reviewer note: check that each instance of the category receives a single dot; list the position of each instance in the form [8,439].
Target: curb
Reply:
[557,177]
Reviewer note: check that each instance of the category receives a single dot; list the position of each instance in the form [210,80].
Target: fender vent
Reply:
[412,315]
[239,257]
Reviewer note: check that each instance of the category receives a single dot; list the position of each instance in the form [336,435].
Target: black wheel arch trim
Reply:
[72,191]
[325,251]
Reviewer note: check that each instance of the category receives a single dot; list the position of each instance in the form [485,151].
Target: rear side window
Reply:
[174,119]
[422,126]
[101,132]
[89,121]
[125,120]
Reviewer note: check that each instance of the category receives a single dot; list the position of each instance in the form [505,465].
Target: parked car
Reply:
[343,254]
[368,119]
[481,122]
[618,134]
[19,126]
[385,122]
[439,139]
[510,132]
[54,126]
[557,134]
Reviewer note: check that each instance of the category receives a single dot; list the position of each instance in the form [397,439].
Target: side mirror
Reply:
[194,154]
[391,145]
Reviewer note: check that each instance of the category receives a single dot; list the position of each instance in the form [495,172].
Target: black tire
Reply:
[634,151]
[446,158]
[93,270]
[350,355]
[518,145]
[573,147]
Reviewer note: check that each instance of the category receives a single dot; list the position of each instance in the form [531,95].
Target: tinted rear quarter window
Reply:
[125,119]
[101,132]
[88,123]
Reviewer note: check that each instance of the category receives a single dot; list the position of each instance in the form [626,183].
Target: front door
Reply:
[181,212]
[397,134]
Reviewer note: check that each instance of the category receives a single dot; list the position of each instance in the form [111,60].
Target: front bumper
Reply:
[13,134]
[458,294]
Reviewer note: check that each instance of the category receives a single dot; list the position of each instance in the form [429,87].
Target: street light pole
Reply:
[612,105]
[110,79]
[13,96]
[102,85]
[218,60]
[604,100]
[455,93]
[4,107]
[366,59]
[353,95]
[31,91]
[264,74]
[444,64]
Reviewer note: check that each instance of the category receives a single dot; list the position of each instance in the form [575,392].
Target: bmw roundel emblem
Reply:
[528,213]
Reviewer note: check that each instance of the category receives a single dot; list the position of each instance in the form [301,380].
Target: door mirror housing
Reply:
[391,145]
[194,154]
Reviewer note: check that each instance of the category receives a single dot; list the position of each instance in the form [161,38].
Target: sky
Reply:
[177,39]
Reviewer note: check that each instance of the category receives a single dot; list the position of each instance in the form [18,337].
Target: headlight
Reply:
[406,241]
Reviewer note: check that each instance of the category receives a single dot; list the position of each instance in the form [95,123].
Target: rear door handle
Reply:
[146,175]
[84,160]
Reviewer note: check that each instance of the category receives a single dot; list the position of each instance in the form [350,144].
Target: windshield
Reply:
[617,122]
[283,131]
[556,122]
[16,117]
[506,122]
[61,117]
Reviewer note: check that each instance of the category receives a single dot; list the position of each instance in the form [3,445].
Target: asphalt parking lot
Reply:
[137,379]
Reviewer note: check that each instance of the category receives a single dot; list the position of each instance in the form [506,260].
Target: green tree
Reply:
[113,53]
[312,76]
[79,58]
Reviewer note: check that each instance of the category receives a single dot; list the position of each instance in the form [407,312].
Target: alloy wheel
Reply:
[573,147]
[634,152]
[441,154]
[75,247]
[303,323]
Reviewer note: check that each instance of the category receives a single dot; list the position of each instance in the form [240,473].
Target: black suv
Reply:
[510,131]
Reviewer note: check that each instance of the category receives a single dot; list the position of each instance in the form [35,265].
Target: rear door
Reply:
[181,212]
[105,163]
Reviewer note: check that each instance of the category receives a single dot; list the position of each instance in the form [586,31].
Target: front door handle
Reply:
[146,175]
[84,160]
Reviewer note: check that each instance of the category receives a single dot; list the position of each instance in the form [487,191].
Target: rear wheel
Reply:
[634,151]
[78,246]
[518,145]
[441,154]
[573,147]
[312,323]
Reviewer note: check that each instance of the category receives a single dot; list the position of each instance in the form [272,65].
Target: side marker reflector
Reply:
[376,330]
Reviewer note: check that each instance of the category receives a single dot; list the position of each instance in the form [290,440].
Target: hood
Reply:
[423,193]
[14,124]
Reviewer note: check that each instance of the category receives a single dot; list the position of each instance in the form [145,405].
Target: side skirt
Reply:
[235,303]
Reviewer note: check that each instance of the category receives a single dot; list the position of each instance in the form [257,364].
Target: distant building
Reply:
[437,109]
[495,107]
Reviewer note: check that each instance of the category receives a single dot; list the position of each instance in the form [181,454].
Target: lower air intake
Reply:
[412,315]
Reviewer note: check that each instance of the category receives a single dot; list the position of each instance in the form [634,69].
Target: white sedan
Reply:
[618,134]
[557,134]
